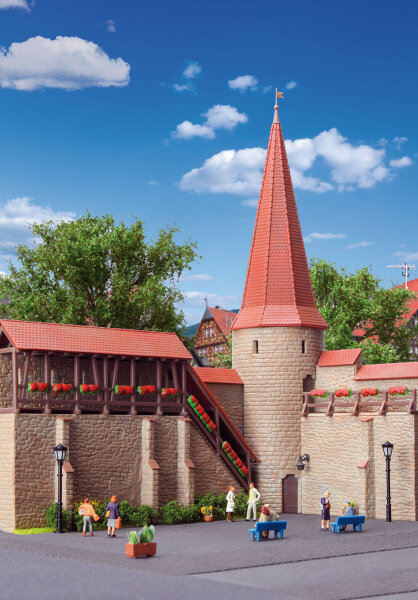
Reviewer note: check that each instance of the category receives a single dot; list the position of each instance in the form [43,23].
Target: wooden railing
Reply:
[355,404]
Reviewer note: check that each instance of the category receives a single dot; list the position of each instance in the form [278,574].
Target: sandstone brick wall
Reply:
[6,399]
[332,378]
[273,385]
[7,472]
[231,398]
[338,444]
[385,383]
[165,452]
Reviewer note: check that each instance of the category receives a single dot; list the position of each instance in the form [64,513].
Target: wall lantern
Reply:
[304,458]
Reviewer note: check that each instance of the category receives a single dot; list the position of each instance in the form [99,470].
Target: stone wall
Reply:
[6,398]
[273,386]
[7,471]
[346,458]
[332,378]
[165,453]
[231,398]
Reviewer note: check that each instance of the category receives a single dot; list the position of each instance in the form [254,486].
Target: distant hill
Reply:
[190,331]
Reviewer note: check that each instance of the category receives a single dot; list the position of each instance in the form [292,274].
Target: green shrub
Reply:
[51,514]
[172,512]
[138,516]
[147,534]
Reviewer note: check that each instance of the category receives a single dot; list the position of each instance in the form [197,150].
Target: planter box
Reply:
[135,550]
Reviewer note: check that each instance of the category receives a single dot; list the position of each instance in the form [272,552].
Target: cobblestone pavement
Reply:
[217,558]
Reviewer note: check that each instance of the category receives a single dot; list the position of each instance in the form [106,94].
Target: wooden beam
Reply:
[47,379]
[175,378]
[6,350]
[383,407]
[25,377]
[159,410]
[77,379]
[15,382]
[132,366]
[114,379]
[96,377]
[183,392]
[217,432]
[105,385]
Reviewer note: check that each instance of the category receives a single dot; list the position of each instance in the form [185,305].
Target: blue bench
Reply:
[355,521]
[275,526]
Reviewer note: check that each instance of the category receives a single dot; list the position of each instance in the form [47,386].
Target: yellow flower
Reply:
[210,508]
[203,510]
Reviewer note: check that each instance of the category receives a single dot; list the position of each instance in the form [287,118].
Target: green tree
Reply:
[349,301]
[225,360]
[92,270]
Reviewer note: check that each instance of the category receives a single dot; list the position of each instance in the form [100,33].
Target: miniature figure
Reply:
[230,504]
[348,511]
[267,514]
[253,498]
[325,511]
[88,513]
[112,513]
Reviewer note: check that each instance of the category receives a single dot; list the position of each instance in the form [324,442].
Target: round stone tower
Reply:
[278,334]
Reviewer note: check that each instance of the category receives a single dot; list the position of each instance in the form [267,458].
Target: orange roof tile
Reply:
[223,319]
[338,358]
[278,290]
[387,371]
[218,375]
[56,337]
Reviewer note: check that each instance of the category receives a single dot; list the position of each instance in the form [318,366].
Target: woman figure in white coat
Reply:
[230,497]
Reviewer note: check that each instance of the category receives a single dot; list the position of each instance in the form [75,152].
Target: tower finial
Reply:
[276,107]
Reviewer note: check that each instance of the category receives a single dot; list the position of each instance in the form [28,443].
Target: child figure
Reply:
[325,511]
[88,512]
[230,497]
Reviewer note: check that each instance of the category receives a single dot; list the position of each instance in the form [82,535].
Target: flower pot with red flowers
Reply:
[232,455]
[62,388]
[344,393]
[319,393]
[369,392]
[203,416]
[167,392]
[146,389]
[38,387]
[124,389]
[399,390]
[86,388]
[140,543]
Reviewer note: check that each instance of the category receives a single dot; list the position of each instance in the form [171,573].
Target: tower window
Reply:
[303,346]
[255,346]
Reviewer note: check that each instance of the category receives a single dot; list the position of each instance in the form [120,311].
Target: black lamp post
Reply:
[299,465]
[60,452]
[387,451]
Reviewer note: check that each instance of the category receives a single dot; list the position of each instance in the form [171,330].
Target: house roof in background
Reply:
[218,375]
[338,358]
[223,318]
[56,337]
[387,371]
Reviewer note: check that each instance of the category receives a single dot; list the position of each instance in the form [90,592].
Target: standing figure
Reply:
[230,497]
[88,512]
[112,513]
[325,511]
[253,498]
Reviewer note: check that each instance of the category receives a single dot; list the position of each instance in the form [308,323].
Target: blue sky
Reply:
[163,110]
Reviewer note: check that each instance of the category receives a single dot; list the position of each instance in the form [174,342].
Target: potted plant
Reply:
[140,543]
[207,513]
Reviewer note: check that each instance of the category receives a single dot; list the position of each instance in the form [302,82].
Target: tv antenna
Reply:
[405,271]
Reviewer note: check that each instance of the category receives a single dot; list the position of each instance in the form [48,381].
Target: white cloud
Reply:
[153,182]
[220,116]
[407,256]
[323,236]
[193,68]
[15,216]
[197,277]
[5,4]
[110,26]
[400,163]
[243,83]
[291,85]
[69,63]
[399,140]
[230,171]
[348,166]
[252,202]
[188,130]
[359,245]
[183,87]
[266,89]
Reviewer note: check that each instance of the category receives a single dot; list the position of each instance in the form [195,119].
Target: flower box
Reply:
[199,410]
[136,550]
[37,387]
[146,389]
[319,393]
[400,390]
[344,392]
[86,388]
[62,388]
[232,455]
[124,389]
[369,391]
[166,392]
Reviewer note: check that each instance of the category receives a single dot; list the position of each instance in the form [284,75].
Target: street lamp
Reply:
[60,452]
[299,465]
[387,451]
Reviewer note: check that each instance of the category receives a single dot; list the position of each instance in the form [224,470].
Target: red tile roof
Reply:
[55,337]
[278,290]
[387,371]
[223,319]
[215,375]
[338,358]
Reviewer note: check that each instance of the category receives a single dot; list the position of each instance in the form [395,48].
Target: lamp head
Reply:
[387,449]
[60,451]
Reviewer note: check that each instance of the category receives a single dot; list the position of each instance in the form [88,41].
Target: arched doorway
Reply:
[308,383]
[290,494]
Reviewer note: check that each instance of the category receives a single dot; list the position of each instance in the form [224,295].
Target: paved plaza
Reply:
[210,560]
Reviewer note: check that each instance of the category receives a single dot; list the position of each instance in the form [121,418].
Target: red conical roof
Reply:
[278,290]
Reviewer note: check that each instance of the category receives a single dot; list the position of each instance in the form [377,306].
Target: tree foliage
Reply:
[225,360]
[350,301]
[94,271]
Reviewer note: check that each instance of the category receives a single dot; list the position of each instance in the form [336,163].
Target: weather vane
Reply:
[278,95]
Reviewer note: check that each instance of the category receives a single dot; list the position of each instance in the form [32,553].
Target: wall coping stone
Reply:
[153,464]
[363,463]
[67,467]
[189,463]
[366,419]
